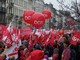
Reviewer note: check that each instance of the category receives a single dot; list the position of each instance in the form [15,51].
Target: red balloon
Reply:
[47,13]
[27,16]
[38,20]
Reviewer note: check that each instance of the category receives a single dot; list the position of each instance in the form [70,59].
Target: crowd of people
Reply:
[61,50]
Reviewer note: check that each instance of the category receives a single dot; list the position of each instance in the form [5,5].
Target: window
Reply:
[7,1]
[25,4]
[13,1]
[0,4]
[15,11]
[16,2]
[21,2]
[2,18]
[20,12]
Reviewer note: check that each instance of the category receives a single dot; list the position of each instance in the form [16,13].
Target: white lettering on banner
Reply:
[4,38]
[54,32]
[75,38]
[27,17]
[13,36]
[8,41]
[16,38]
[38,22]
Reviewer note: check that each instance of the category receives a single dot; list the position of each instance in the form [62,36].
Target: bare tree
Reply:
[74,8]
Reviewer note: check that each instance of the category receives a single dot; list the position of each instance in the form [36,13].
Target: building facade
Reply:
[46,25]
[58,18]
[2,11]
[38,5]
[50,23]
[15,11]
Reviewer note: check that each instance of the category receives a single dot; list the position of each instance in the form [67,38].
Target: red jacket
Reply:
[55,57]
[66,54]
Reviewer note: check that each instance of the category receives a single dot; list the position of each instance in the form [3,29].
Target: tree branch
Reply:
[68,7]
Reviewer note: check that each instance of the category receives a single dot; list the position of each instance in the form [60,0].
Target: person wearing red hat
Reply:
[55,54]
[66,54]
[36,55]
[1,59]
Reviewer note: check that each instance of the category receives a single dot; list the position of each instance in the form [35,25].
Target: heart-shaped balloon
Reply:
[47,14]
[38,20]
[27,16]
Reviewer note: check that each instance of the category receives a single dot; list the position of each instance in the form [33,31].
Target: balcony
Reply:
[10,16]
[11,4]
[3,9]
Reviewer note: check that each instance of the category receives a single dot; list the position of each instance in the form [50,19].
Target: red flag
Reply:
[26,31]
[51,41]
[17,37]
[31,41]
[7,38]
[14,33]
[38,35]
[47,39]
[12,54]
[2,30]
[75,39]
[40,39]
[54,36]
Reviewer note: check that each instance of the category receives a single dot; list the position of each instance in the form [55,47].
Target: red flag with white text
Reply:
[75,38]
[7,39]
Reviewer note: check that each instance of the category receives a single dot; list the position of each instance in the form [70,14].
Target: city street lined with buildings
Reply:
[39,30]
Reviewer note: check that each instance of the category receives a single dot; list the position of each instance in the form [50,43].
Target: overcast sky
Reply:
[56,4]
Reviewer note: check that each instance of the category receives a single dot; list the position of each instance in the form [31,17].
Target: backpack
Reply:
[73,54]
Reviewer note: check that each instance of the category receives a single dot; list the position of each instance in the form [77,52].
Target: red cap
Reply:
[36,55]
[1,58]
